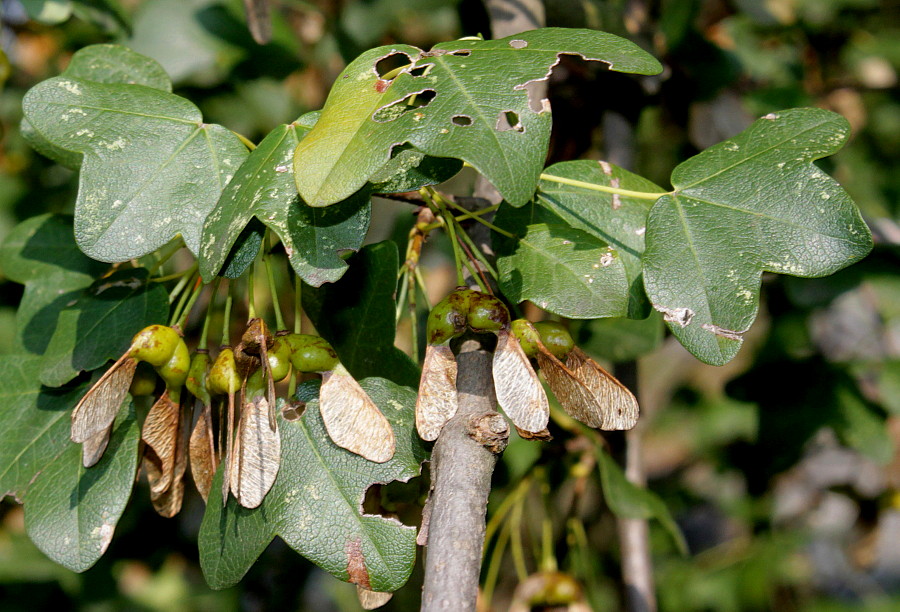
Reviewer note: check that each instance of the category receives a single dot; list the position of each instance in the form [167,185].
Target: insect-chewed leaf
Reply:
[352,419]
[618,406]
[98,408]
[160,433]
[371,600]
[436,402]
[94,447]
[519,391]
[202,452]
[575,398]
[256,455]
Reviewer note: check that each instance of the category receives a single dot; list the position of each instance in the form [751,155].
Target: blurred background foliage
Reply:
[781,469]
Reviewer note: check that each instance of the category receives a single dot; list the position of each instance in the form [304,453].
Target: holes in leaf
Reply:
[518,44]
[421,70]
[509,120]
[411,102]
[461,120]
[461,53]
[390,63]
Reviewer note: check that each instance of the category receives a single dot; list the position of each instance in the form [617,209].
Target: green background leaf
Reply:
[618,220]
[315,505]
[559,268]
[151,169]
[357,316]
[71,511]
[475,82]
[100,325]
[750,204]
[41,253]
[35,421]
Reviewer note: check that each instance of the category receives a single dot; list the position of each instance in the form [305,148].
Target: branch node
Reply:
[490,430]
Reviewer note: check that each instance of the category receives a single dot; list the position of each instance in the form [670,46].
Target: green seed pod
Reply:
[555,337]
[448,317]
[311,353]
[154,344]
[487,313]
[175,371]
[144,381]
[196,380]
[279,355]
[527,335]
[223,376]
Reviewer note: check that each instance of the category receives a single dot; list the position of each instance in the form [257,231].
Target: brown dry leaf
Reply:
[257,455]
[93,448]
[371,600]
[352,419]
[618,406]
[160,433]
[98,408]
[202,452]
[575,398]
[519,391]
[436,402]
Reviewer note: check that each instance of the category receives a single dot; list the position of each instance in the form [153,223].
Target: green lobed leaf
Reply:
[750,204]
[476,108]
[35,422]
[103,64]
[357,315]
[314,238]
[315,505]
[99,326]
[151,169]
[41,253]
[71,511]
[618,220]
[627,500]
[561,269]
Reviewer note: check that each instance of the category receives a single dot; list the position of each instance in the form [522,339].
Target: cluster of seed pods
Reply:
[241,383]
[585,391]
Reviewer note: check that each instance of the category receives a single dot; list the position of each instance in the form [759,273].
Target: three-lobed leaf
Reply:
[151,168]
[751,204]
[315,505]
[465,99]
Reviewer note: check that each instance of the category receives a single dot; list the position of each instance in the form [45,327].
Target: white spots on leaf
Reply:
[313,492]
[283,168]
[780,164]
[771,117]
[640,231]
[518,44]
[589,278]
[71,113]
[445,131]
[680,316]
[395,404]
[732,146]
[607,169]
[116,145]
[71,87]
[567,242]
[607,258]
[85,132]
[117,203]
[825,196]
[746,295]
